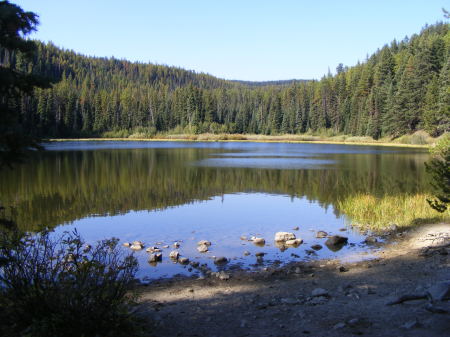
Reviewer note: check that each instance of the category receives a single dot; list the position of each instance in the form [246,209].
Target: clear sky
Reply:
[234,39]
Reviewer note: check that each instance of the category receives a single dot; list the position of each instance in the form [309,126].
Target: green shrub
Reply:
[116,134]
[62,287]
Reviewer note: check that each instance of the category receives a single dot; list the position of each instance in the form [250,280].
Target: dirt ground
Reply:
[321,298]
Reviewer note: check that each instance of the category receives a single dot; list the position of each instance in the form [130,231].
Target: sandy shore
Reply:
[320,298]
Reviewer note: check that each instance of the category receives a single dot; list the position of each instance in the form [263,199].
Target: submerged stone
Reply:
[336,242]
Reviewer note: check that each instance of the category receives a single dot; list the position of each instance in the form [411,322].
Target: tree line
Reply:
[401,88]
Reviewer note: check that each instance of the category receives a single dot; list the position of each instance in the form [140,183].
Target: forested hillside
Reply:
[403,87]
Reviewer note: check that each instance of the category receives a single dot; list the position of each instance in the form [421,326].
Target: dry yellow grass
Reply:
[288,138]
[369,212]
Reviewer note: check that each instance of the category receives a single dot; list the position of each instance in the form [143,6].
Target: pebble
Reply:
[316,247]
[290,301]
[260,254]
[319,292]
[296,228]
[410,324]
[246,253]
[339,326]
[176,245]
[204,243]
[126,244]
[342,269]
[353,321]
[223,276]
[318,300]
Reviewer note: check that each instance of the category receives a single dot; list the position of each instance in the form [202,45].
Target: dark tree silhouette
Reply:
[15,25]
[439,170]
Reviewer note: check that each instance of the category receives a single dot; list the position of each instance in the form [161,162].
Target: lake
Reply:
[162,192]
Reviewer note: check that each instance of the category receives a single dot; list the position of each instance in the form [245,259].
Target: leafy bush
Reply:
[63,287]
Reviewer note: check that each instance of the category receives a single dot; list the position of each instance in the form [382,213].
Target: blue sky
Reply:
[245,40]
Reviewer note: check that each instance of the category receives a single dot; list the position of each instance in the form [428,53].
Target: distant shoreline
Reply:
[243,138]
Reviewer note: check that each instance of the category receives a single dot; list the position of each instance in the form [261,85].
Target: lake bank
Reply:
[294,139]
[319,298]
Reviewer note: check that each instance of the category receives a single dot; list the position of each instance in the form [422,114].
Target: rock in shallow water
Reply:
[220,260]
[258,241]
[136,246]
[174,255]
[153,250]
[284,236]
[155,257]
[204,243]
[202,248]
[295,242]
[321,234]
[183,260]
[336,242]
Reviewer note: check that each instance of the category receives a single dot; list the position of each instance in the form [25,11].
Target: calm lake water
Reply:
[182,191]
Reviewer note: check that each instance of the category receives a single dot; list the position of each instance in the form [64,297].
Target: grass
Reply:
[419,139]
[377,214]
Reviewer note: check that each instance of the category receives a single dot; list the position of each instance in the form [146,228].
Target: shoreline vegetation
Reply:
[378,214]
[419,139]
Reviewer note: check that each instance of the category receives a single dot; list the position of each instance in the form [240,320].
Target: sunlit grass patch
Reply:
[378,213]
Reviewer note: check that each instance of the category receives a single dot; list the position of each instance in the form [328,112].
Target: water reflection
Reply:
[61,186]
[164,192]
